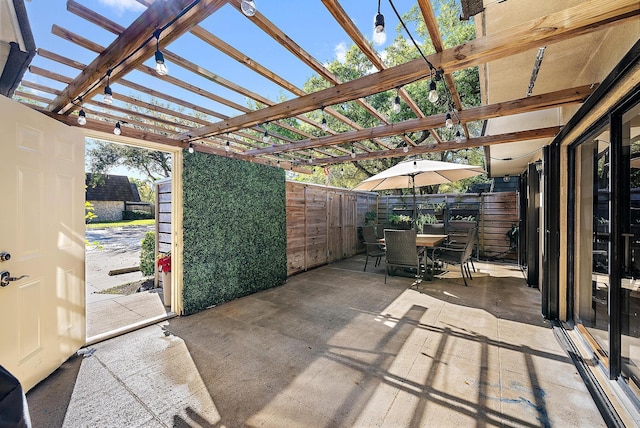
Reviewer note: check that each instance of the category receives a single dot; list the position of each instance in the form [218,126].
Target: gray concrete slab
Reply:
[335,346]
[108,315]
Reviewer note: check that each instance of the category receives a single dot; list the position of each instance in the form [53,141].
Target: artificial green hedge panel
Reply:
[235,239]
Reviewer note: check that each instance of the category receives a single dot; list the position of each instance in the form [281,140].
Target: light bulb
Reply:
[117,129]
[324,125]
[405,149]
[458,136]
[248,7]
[191,148]
[449,122]
[161,67]
[227,147]
[266,137]
[82,117]
[396,105]
[108,95]
[433,92]
[310,160]
[353,154]
[379,36]
[415,165]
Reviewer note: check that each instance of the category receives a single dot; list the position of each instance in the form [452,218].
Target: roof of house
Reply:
[113,188]
[17,47]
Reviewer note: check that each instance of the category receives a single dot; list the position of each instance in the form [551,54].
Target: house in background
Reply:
[114,195]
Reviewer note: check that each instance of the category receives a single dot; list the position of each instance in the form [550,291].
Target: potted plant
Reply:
[370,218]
[424,219]
[400,220]
[164,267]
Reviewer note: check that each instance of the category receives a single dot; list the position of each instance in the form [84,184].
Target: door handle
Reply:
[6,278]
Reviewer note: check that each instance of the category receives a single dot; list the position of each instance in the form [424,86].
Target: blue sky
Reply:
[306,22]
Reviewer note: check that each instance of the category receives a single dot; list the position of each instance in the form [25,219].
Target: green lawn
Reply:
[96,225]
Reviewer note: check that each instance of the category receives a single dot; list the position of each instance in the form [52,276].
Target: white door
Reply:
[42,316]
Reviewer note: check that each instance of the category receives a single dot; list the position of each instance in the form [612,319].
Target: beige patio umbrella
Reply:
[417,173]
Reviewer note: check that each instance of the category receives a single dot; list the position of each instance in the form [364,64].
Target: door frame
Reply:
[176,204]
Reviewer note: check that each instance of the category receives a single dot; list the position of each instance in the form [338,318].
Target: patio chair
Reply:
[374,248]
[401,251]
[452,254]
[472,236]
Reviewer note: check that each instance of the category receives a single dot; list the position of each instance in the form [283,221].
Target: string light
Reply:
[324,125]
[82,116]
[448,122]
[191,148]
[458,136]
[353,152]
[379,36]
[161,67]
[396,105]
[117,129]
[405,149]
[227,147]
[108,94]
[433,92]
[266,137]
[248,7]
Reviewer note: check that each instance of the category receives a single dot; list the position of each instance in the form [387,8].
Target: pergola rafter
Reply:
[210,130]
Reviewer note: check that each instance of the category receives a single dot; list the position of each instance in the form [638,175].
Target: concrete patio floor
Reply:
[334,346]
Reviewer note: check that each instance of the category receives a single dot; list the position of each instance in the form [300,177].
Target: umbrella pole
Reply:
[415,207]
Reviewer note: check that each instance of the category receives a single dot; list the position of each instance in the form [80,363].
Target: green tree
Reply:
[103,156]
[147,194]
[453,32]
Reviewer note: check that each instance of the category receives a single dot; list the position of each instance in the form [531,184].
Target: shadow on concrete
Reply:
[48,401]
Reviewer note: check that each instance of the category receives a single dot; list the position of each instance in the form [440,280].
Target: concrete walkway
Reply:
[336,347]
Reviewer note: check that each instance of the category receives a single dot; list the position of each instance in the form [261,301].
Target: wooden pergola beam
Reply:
[156,16]
[99,20]
[339,14]
[436,39]
[489,140]
[107,127]
[528,104]
[279,36]
[553,28]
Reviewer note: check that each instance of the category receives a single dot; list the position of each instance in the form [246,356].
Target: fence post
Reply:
[481,241]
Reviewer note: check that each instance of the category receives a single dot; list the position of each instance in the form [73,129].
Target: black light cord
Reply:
[431,67]
[156,35]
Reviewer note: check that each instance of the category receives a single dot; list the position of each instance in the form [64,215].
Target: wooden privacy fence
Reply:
[323,222]
[495,214]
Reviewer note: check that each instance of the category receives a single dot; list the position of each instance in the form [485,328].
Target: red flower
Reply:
[164,262]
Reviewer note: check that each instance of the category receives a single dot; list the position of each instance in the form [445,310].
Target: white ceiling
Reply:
[578,61]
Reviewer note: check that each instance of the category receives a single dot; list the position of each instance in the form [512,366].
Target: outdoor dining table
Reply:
[428,242]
